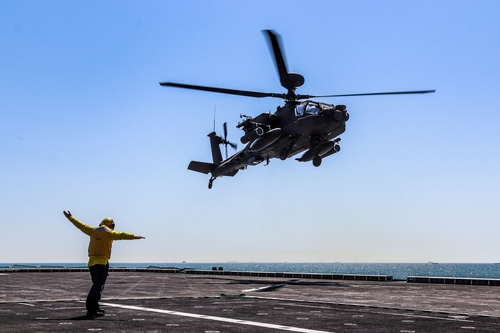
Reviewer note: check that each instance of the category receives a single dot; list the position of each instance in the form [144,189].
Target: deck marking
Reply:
[423,316]
[227,320]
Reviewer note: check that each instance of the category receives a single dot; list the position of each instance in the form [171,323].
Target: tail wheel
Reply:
[210,182]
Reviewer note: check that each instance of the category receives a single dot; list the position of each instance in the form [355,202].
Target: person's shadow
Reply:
[81,318]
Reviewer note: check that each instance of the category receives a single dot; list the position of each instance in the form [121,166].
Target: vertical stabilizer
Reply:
[215,142]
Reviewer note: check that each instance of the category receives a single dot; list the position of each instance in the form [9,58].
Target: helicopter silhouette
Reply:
[300,125]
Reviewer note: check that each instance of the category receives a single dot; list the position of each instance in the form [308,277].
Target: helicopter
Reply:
[301,125]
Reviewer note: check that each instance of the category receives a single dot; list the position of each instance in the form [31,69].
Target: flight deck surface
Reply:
[177,302]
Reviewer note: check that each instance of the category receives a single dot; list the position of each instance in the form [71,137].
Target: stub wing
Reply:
[202,167]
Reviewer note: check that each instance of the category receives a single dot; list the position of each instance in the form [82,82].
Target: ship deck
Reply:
[140,301]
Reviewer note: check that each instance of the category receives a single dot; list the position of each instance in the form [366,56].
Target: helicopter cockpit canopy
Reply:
[310,107]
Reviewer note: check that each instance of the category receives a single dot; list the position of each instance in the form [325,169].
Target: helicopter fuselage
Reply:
[305,126]
[294,128]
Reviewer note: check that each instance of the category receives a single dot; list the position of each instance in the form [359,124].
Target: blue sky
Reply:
[85,127]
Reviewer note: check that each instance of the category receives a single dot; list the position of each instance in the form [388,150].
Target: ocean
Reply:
[399,271]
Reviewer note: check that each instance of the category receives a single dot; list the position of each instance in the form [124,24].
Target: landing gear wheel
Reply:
[210,182]
[317,161]
[283,154]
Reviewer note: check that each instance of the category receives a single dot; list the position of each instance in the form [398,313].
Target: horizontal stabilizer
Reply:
[202,167]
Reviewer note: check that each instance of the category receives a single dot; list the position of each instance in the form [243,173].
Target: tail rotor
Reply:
[225,141]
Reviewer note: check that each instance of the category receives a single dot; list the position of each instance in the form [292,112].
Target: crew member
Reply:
[101,239]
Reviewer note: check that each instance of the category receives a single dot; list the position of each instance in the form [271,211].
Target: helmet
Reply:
[108,222]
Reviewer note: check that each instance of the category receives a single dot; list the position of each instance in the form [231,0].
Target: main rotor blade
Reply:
[223,90]
[279,60]
[372,94]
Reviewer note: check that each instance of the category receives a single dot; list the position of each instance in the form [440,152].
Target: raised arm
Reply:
[86,229]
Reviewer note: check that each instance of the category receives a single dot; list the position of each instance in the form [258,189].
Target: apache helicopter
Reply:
[301,125]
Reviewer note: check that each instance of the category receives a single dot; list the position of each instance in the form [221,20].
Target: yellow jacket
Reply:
[101,240]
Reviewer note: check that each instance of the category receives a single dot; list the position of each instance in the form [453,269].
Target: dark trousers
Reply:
[99,273]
